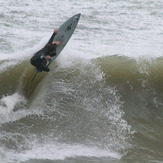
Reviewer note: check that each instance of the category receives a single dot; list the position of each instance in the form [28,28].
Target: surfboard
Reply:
[65,32]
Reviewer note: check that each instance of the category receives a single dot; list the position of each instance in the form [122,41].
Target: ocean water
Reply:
[102,101]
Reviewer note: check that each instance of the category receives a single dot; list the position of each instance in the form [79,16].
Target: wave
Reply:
[123,68]
[139,83]
[69,105]
[88,102]
[117,69]
[139,78]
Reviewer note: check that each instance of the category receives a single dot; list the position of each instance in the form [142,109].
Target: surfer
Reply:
[43,56]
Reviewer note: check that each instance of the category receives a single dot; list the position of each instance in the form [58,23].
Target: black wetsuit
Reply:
[39,60]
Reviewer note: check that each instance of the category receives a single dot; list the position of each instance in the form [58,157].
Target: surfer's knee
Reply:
[47,69]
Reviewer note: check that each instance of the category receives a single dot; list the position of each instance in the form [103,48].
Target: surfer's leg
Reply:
[43,67]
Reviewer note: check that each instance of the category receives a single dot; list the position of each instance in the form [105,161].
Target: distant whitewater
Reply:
[102,99]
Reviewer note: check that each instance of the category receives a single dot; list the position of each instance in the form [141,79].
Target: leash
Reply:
[30,88]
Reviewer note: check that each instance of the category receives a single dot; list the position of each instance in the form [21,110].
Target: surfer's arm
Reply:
[44,56]
[48,57]
[52,36]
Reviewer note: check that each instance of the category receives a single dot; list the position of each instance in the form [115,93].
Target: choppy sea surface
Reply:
[102,101]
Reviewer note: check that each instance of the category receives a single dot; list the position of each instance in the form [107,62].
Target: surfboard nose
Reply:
[76,17]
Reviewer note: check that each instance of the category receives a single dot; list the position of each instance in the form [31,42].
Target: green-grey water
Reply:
[102,100]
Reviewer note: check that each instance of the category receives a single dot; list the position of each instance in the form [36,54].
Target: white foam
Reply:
[7,105]
[8,102]
[99,31]
[4,66]
[61,152]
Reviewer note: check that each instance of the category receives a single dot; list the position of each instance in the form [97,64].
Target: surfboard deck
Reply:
[65,32]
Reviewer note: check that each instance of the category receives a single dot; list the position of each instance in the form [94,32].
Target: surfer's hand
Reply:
[56,30]
[48,57]
[57,42]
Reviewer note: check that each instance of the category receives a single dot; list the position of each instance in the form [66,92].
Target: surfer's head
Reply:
[51,48]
